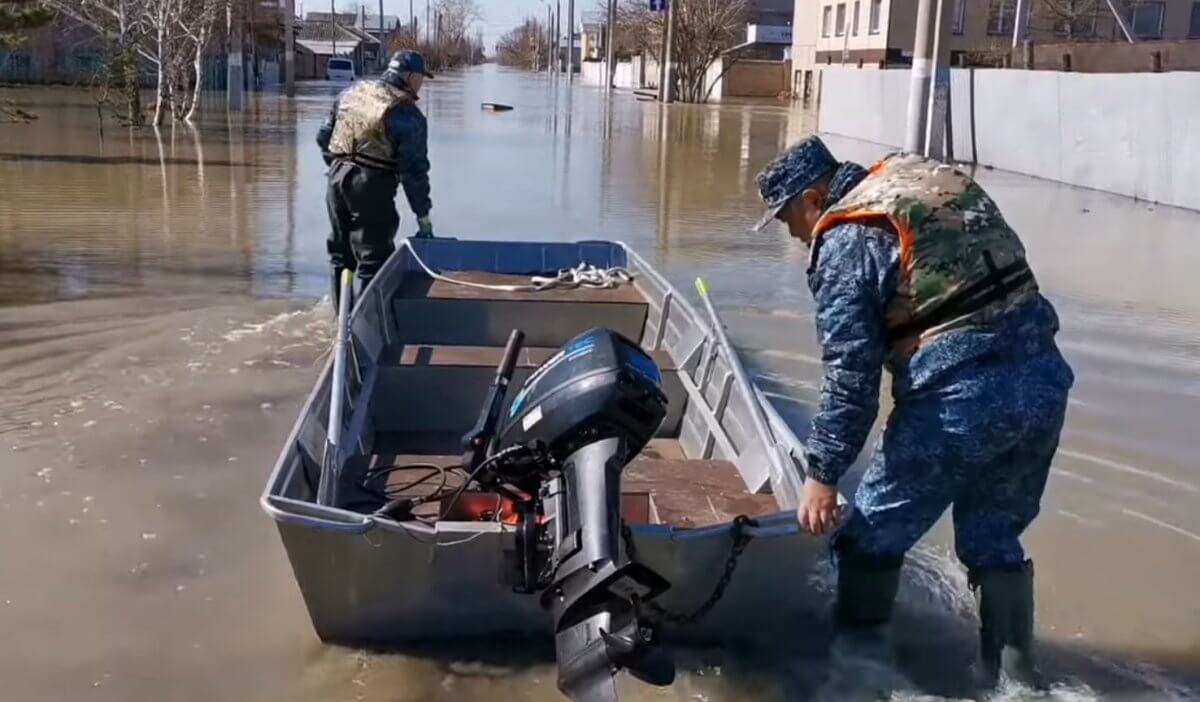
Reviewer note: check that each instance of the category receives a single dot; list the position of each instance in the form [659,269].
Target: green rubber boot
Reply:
[1005,600]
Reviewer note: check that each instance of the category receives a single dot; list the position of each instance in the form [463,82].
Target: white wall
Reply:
[627,75]
[1135,134]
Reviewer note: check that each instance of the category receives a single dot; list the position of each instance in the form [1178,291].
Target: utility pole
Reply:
[557,37]
[428,26]
[570,41]
[412,22]
[918,87]
[382,39]
[289,49]
[939,101]
[666,78]
[610,47]
[233,71]
[333,29]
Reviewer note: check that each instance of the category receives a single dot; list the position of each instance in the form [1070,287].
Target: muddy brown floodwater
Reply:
[160,324]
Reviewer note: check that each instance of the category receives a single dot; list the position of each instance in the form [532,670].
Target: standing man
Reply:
[912,267]
[374,140]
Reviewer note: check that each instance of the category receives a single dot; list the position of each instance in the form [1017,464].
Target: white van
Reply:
[341,69]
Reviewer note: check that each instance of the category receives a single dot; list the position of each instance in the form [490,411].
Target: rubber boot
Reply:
[866,593]
[1005,600]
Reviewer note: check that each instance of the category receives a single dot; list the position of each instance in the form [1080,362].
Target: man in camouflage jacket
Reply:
[374,140]
[913,268]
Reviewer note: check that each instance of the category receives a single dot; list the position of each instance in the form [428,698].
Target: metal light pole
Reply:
[666,78]
[557,37]
[382,42]
[570,41]
[332,30]
[289,49]
[939,101]
[610,46]
[1020,22]
[918,88]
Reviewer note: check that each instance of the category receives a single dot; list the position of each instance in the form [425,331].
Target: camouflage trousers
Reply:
[982,442]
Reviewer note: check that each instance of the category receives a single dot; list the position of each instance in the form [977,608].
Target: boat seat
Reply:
[455,380]
[435,312]
[683,493]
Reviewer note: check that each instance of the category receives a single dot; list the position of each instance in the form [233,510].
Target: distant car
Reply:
[340,69]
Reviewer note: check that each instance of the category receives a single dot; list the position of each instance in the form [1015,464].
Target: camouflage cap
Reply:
[798,167]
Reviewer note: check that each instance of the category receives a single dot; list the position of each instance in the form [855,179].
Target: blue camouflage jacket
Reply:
[853,277]
[407,129]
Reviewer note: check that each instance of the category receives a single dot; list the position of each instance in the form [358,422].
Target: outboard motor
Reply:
[569,432]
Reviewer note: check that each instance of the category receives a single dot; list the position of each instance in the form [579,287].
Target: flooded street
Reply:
[160,325]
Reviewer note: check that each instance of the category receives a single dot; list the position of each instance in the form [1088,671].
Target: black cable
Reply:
[471,477]
[389,492]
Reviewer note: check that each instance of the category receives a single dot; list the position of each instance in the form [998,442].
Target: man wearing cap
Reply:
[913,268]
[374,140]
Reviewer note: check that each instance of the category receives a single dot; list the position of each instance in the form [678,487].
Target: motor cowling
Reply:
[570,431]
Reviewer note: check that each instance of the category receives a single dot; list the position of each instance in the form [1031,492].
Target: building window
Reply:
[826,20]
[854,20]
[960,16]
[876,11]
[1148,20]
[1000,17]
[839,26]
[1194,28]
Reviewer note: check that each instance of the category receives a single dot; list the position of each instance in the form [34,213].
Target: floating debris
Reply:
[149,536]
[495,107]
[89,424]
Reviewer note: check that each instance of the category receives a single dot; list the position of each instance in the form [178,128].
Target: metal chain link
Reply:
[740,540]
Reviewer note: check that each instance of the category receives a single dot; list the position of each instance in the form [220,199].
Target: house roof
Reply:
[353,19]
[325,48]
[324,31]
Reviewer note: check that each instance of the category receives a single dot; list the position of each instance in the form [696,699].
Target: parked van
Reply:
[341,69]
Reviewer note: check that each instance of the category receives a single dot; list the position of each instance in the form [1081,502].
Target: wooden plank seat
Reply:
[428,311]
[452,381]
[683,493]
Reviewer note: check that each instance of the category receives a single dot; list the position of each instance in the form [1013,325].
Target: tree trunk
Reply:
[133,93]
[163,79]
[198,69]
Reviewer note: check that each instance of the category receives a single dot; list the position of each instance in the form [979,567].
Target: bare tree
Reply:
[197,23]
[1072,19]
[117,22]
[458,16]
[18,17]
[520,47]
[704,31]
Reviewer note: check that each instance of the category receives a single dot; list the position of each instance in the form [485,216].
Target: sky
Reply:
[499,15]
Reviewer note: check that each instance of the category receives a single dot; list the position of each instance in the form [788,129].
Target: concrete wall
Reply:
[1116,57]
[1131,134]
[627,75]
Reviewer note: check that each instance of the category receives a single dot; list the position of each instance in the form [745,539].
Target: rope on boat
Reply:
[583,275]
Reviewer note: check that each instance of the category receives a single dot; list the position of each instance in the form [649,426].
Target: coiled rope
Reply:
[583,275]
